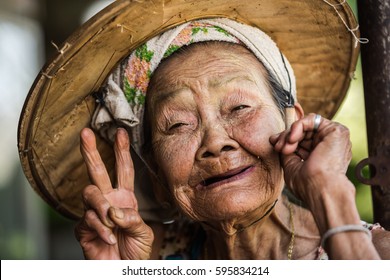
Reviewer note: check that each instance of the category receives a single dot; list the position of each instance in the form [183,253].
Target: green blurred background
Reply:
[352,114]
[28,228]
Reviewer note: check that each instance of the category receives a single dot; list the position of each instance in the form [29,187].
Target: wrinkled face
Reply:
[212,115]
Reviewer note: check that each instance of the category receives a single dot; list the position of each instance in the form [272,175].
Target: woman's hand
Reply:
[111,227]
[311,158]
[315,161]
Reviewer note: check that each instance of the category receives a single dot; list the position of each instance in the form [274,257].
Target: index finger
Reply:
[95,166]
[124,162]
[304,128]
[300,130]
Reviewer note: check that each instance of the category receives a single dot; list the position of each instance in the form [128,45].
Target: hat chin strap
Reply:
[247,226]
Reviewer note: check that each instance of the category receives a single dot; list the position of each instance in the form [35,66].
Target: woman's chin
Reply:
[230,206]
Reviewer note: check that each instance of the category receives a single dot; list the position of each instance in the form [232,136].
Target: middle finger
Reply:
[124,163]
[96,168]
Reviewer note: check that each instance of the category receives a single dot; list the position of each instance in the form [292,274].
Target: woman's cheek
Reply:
[253,130]
[176,157]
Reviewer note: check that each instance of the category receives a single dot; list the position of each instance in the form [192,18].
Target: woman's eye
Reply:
[176,125]
[240,107]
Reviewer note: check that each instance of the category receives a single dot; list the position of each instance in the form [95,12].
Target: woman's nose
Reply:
[215,142]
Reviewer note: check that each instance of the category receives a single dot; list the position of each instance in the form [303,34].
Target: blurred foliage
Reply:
[352,115]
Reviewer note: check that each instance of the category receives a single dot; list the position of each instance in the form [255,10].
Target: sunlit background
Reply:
[28,228]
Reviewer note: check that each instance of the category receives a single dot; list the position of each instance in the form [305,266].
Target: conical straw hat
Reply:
[316,36]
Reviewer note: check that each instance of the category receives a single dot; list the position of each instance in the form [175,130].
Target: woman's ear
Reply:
[299,113]
[291,114]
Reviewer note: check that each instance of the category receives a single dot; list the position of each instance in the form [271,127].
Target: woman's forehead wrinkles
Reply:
[172,84]
[163,97]
[226,80]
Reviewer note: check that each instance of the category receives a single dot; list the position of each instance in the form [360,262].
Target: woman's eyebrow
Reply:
[164,96]
[215,83]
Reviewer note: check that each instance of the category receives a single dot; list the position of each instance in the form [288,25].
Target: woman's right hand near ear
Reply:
[111,227]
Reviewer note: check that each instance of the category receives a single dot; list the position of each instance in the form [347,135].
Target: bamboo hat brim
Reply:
[312,34]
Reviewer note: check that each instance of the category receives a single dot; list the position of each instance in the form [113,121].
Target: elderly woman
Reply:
[210,108]
[219,144]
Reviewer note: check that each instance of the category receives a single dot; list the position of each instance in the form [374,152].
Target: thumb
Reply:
[291,164]
[130,221]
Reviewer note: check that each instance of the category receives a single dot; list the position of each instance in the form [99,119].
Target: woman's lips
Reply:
[225,178]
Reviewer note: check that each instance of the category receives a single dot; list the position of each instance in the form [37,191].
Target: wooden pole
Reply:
[374,18]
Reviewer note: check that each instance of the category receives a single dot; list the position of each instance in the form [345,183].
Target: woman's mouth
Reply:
[225,178]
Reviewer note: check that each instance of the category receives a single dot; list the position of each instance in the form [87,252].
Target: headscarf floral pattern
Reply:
[139,67]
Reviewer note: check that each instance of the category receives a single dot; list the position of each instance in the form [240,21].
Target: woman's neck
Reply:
[254,238]
[269,238]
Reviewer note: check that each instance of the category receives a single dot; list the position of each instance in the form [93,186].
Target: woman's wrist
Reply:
[334,207]
[333,203]
[341,229]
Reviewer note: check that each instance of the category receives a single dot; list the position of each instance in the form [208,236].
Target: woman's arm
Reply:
[335,207]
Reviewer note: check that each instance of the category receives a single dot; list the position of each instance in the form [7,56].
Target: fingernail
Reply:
[119,213]
[121,130]
[122,139]
[112,238]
